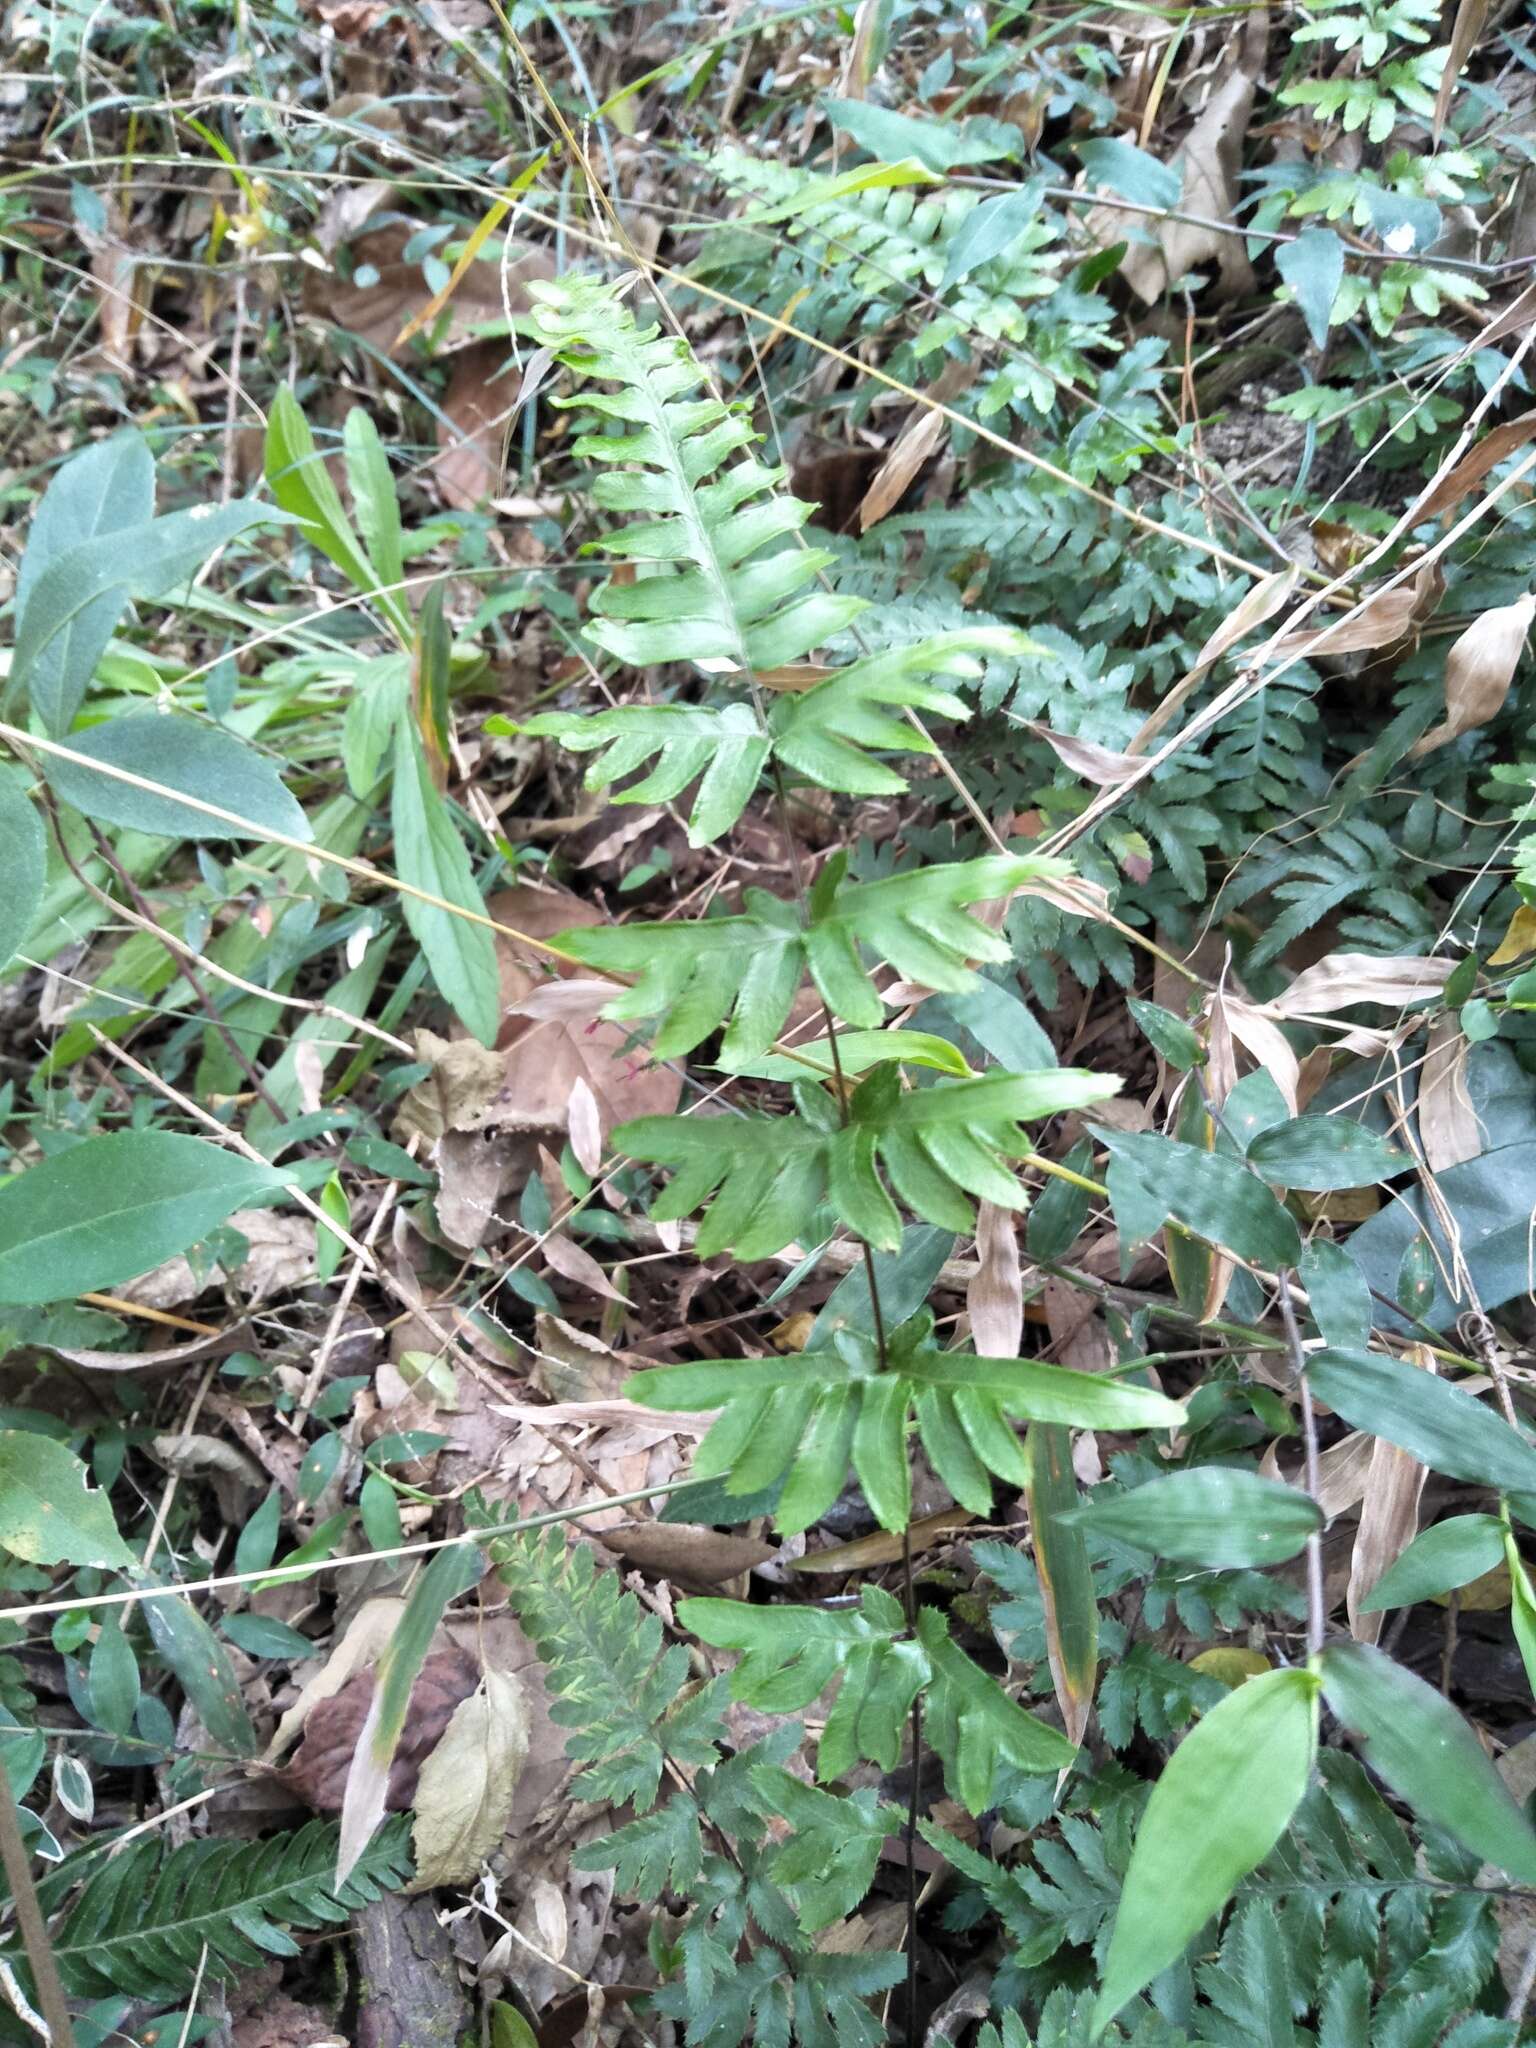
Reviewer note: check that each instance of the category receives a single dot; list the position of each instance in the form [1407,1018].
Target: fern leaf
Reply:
[829,1861]
[723,750]
[143,1922]
[768,1176]
[750,967]
[613,1681]
[656,1851]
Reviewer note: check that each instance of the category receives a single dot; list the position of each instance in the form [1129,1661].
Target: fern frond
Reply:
[145,1919]
[750,967]
[614,1683]
[810,1415]
[939,1145]
[723,750]
[724,595]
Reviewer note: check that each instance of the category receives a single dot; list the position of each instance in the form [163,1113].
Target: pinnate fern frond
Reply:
[750,966]
[806,1418]
[144,1921]
[725,594]
[939,1145]
[722,750]
[614,1683]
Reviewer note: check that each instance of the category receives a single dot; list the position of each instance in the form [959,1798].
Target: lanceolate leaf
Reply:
[1453,1553]
[1441,1424]
[301,484]
[23,862]
[1066,1575]
[1213,1515]
[112,1207]
[430,854]
[1152,1179]
[1221,1804]
[813,1414]
[1428,1755]
[176,754]
[939,1145]
[1323,1152]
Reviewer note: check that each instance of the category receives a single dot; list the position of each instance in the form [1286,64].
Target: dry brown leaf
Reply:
[471,434]
[995,1298]
[1465,30]
[1514,319]
[1448,1127]
[1259,604]
[364,1640]
[689,1554]
[334,1736]
[464,1078]
[236,1338]
[1479,670]
[281,1258]
[882,1547]
[1380,620]
[1099,765]
[1339,980]
[908,452]
[1518,940]
[1210,158]
[586,1128]
[1498,442]
[571,1366]
[378,310]
[1267,1045]
[573,1262]
[464,1792]
[1389,1521]
[1078,1336]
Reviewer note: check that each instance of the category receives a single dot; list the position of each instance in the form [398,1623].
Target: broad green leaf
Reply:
[1152,1179]
[1129,171]
[1453,1553]
[447,1574]
[430,855]
[203,1666]
[373,499]
[1065,1573]
[49,1511]
[990,230]
[23,862]
[1425,1751]
[112,1682]
[1061,1209]
[1214,1515]
[380,696]
[1179,1043]
[1522,1607]
[1438,1422]
[1337,1297]
[76,602]
[1491,1198]
[1223,1801]
[112,1207]
[301,484]
[891,137]
[176,754]
[1313,267]
[1320,1153]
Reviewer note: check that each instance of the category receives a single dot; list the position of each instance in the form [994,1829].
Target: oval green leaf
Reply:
[1222,1803]
[1451,1554]
[1321,1153]
[180,756]
[1214,1516]
[1428,1755]
[49,1511]
[114,1207]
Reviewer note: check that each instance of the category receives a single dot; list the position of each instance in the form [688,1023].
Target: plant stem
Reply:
[29,1918]
[1316,1607]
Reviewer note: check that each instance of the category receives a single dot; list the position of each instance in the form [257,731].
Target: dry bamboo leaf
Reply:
[573,1262]
[571,1366]
[1267,1045]
[882,1547]
[1101,766]
[1074,894]
[464,1792]
[1514,319]
[586,1128]
[572,999]
[1389,1521]
[1258,605]
[1474,466]
[1378,621]
[1465,30]
[686,1552]
[1448,1127]
[366,1635]
[1518,940]
[908,452]
[236,1338]
[995,1298]
[1479,670]
[1340,980]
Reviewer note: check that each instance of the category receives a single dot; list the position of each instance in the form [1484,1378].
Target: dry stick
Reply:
[29,1917]
[1317,1615]
[343,1303]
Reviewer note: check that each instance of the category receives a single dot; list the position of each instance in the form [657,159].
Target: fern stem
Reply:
[29,1917]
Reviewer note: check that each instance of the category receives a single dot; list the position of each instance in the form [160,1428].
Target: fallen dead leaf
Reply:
[466,1785]
[1381,620]
[1101,766]
[570,1366]
[882,1547]
[281,1258]
[908,452]
[686,1552]
[1448,1127]
[1475,464]
[1259,604]
[1518,940]
[326,1757]
[995,1298]
[573,1262]
[585,1127]
[1478,672]
[1389,1521]
[1340,980]
[471,434]
[1465,30]
[464,1079]
[394,290]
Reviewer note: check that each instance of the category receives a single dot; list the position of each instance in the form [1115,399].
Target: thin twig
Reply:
[29,1918]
